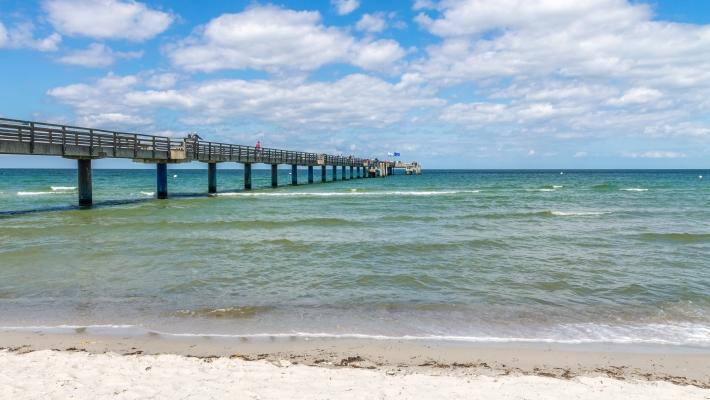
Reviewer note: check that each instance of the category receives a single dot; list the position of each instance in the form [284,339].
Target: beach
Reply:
[86,366]
[453,284]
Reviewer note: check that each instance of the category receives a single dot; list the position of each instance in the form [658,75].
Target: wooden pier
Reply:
[86,144]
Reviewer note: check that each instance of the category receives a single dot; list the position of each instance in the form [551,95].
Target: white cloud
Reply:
[162,80]
[580,154]
[106,19]
[656,154]
[372,23]
[343,7]
[3,35]
[379,55]
[356,100]
[22,36]
[97,55]
[638,95]
[586,68]
[274,39]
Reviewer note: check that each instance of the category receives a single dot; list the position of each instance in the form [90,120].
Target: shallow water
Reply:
[579,257]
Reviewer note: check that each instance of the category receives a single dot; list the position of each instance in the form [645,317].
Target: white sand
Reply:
[78,375]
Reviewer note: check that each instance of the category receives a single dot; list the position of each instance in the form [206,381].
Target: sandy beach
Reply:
[86,366]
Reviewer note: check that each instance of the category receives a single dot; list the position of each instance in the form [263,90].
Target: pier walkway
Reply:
[86,144]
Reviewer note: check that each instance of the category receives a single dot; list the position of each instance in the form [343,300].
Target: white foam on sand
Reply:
[81,375]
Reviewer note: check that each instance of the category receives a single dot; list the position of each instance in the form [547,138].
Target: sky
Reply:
[450,83]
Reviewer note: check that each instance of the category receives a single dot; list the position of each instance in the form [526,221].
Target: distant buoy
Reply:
[700,177]
[562,173]
[174,176]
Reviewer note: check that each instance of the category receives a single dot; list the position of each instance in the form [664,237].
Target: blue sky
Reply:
[452,83]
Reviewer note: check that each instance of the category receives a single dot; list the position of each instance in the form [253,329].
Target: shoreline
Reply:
[688,367]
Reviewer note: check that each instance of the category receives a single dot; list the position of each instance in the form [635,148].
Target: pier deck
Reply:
[86,144]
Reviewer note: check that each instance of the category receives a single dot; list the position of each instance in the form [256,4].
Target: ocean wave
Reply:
[634,189]
[148,193]
[676,237]
[38,193]
[63,188]
[225,313]
[346,194]
[666,334]
[578,213]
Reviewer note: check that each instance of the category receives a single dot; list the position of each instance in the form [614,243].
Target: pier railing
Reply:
[28,137]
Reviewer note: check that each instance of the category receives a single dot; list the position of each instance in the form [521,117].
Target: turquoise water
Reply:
[573,257]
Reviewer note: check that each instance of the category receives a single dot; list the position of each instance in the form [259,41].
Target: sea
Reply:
[541,256]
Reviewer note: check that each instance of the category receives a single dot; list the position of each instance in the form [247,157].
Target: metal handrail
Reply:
[47,133]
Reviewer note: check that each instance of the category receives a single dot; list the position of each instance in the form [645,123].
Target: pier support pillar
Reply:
[352,174]
[211,178]
[294,174]
[84,177]
[247,176]
[335,173]
[343,171]
[323,173]
[274,175]
[162,183]
[310,174]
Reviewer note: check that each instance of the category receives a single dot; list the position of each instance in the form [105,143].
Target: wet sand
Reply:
[682,368]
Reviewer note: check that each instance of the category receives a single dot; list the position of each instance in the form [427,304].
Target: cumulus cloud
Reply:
[106,19]
[582,68]
[96,55]
[22,36]
[275,39]
[638,95]
[372,23]
[343,7]
[355,100]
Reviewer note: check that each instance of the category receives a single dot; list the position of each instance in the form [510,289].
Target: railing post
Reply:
[32,137]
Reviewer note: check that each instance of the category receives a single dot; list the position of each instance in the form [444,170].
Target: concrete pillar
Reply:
[294,174]
[343,170]
[211,178]
[247,176]
[274,175]
[310,174]
[335,173]
[162,184]
[323,173]
[84,177]
[352,174]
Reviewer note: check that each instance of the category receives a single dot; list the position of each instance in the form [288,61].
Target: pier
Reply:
[86,144]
